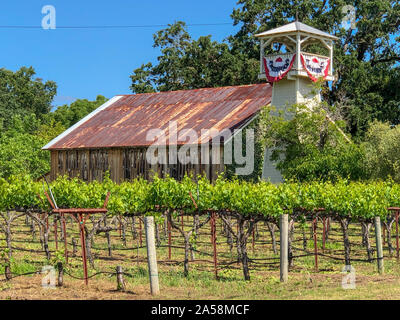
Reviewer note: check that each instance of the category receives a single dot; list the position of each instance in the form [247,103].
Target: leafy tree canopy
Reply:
[68,115]
[309,145]
[382,144]
[26,123]
[186,63]
[20,148]
[21,94]
[366,59]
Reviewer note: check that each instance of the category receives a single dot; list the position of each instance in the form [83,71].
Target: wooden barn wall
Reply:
[127,164]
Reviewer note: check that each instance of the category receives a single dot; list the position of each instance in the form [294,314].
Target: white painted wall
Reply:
[284,93]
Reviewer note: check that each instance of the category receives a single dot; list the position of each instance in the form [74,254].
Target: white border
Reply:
[76,125]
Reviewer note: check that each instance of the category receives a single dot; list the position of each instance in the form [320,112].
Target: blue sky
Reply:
[85,63]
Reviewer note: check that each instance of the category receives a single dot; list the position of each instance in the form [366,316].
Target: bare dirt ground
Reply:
[29,288]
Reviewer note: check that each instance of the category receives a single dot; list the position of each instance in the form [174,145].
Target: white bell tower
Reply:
[294,71]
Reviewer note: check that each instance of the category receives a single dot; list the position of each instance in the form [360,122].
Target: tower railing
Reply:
[272,56]
[298,69]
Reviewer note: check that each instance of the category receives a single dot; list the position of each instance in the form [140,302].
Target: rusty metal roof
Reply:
[125,120]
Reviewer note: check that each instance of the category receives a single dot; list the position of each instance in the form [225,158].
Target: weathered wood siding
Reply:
[128,164]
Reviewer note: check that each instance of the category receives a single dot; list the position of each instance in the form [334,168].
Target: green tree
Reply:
[365,59]
[382,142]
[68,115]
[26,123]
[186,63]
[308,145]
[20,148]
[21,94]
[49,130]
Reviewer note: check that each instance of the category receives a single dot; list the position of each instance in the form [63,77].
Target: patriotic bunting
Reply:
[316,67]
[277,67]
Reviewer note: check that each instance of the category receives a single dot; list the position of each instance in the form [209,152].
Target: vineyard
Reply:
[221,229]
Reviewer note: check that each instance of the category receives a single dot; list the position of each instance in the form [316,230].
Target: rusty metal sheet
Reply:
[126,122]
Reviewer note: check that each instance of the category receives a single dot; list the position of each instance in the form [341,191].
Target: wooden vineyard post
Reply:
[284,247]
[151,255]
[214,243]
[379,249]
[60,278]
[120,279]
[169,240]
[397,234]
[315,243]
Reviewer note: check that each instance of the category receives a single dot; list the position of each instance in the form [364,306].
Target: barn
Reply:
[115,137]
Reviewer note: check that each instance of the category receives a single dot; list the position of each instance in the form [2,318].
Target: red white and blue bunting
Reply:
[277,67]
[316,67]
